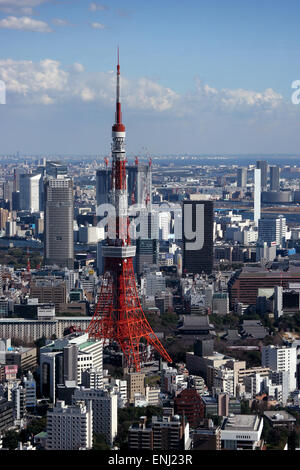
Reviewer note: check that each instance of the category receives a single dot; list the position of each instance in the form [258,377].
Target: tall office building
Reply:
[281,358]
[263,167]
[58,245]
[272,230]
[274,178]
[139,184]
[257,195]
[241,178]
[197,235]
[146,254]
[70,427]
[31,190]
[103,182]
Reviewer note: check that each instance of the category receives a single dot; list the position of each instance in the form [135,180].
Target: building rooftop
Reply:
[241,423]
[277,416]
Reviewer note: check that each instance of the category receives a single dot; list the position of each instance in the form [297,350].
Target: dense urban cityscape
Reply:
[227,313]
[148,301]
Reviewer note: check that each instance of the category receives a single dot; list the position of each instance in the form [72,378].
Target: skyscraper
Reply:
[274,178]
[30,192]
[197,235]
[58,245]
[241,177]
[263,166]
[257,195]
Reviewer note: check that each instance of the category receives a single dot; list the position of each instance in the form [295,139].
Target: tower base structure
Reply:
[119,316]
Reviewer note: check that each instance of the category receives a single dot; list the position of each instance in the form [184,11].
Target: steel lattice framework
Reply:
[118,315]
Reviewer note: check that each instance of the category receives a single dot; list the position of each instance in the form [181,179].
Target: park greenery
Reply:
[18,257]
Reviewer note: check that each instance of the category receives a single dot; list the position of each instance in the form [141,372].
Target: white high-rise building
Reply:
[70,427]
[282,358]
[164,225]
[30,192]
[105,410]
[278,311]
[257,195]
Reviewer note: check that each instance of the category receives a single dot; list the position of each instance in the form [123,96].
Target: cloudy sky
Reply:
[198,76]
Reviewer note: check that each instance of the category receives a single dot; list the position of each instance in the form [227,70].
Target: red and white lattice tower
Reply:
[119,316]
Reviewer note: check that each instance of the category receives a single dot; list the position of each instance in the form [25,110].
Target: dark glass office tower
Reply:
[59,214]
[197,236]
[263,166]
[274,178]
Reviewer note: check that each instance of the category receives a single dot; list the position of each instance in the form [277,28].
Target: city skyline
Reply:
[196,79]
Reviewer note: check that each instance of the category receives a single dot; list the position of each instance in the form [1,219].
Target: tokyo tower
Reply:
[119,316]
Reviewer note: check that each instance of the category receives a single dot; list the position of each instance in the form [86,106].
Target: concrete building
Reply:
[105,410]
[155,282]
[59,245]
[207,436]
[51,291]
[92,378]
[281,359]
[65,361]
[31,330]
[70,427]
[135,384]
[30,391]
[164,433]
[18,397]
[242,432]
[223,380]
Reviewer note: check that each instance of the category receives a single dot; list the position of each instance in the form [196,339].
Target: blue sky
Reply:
[207,76]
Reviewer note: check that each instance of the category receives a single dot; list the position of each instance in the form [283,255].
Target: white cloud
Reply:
[97,7]
[47,82]
[97,25]
[24,23]
[77,67]
[87,94]
[20,7]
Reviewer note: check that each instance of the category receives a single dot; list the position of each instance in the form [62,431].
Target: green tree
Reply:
[100,442]
[10,440]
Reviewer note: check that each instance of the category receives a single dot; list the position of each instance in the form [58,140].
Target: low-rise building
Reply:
[242,432]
